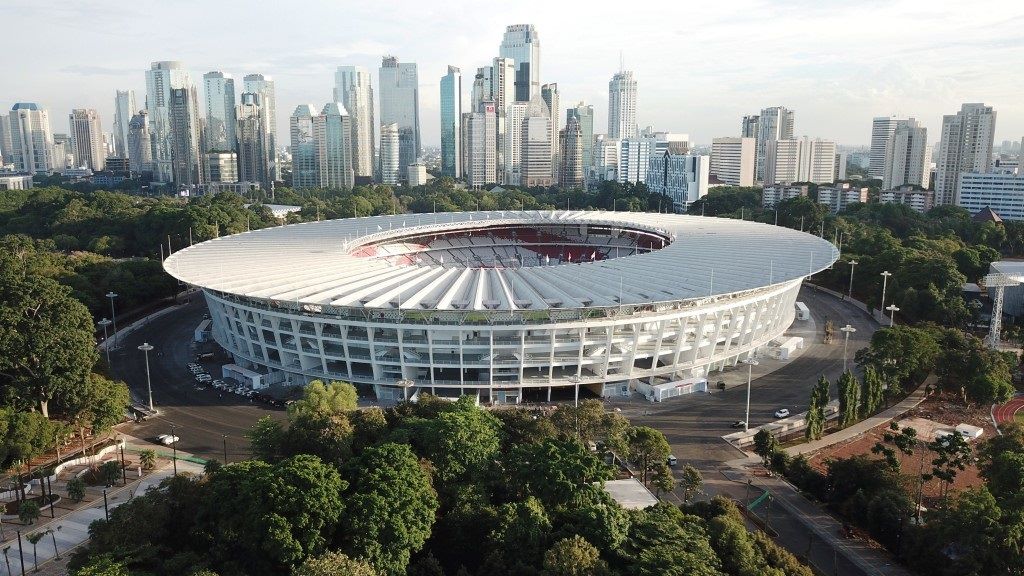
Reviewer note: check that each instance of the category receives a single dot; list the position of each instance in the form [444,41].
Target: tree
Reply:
[266,438]
[102,565]
[101,404]
[765,445]
[28,511]
[148,459]
[849,398]
[816,410]
[554,470]
[901,440]
[692,482]
[872,391]
[34,539]
[646,447]
[898,353]
[663,541]
[953,454]
[110,471]
[391,508]
[76,490]
[333,399]
[574,556]
[333,564]
[521,533]
[462,444]
[327,436]
[662,479]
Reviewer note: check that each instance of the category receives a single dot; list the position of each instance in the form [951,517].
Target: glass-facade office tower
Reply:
[571,154]
[161,78]
[332,130]
[186,160]
[305,168]
[353,89]
[140,143]
[584,114]
[773,124]
[264,86]
[389,154]
[451,117]
[521,44]
[253,142]
[399,104]
[549,93]
[124,109]
[220,111]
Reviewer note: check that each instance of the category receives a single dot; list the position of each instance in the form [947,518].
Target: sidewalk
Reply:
[72,529]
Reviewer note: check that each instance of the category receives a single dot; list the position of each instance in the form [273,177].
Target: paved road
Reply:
[201,418]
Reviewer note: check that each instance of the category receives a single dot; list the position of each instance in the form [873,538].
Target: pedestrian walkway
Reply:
[883,417]
[72,529]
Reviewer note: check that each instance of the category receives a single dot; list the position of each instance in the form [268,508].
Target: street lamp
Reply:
[847,330]
[405,383]
[750,362]
[146,347]
[225,437]
[113,314]
[893,309]
[174,447]
[575,379]
[885,278]
[106,345]
[852,264]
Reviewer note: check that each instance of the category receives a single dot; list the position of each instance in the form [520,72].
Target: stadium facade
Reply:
[501,305]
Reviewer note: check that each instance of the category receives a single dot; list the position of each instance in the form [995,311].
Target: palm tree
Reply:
[7,560]
[148,459]
[53,537]
[34,538]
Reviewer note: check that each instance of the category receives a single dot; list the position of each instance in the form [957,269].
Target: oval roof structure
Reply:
[317,263]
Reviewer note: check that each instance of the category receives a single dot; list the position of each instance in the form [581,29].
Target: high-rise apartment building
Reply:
[32,143]
[482,146]
[87,139]
[399,104]
[332,130]
[390,155]
[221,119]
[264,86]
[140,144]
[535,150]
[62,156]
[774,123]
[907,156]
[161,78]
[966,146]
[451,117]
[622,106]
[549,93]
[882,128]
[186,161]
[521,44]
[305,166]
[124,109]
[634,159]
[584,114]
[503,91]
[253,146]
[512,149]
[681,178]
[571,154]
[353,88]
[732,160]
[800,160]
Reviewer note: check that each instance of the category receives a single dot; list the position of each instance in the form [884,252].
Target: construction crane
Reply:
[994,285]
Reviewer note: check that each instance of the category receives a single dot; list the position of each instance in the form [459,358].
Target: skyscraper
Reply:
[6,147]
[253,142]
[882,128]
[481,90]
[907,156]
[186,160]
[389,154]
[549,93]
[503,90]
[584,114]
[62,156]
[622,106]
[399,104]
[451,116]
[774,123]
[124,109]
[732,160]
[513,145]
[221,120]
[264,86]
[481,145]
[87,139]
[749,127]
[535,150]
[522,45]
[353,89]
[161,78]
[31,139]
[966,146]
[634,159]
[800,160]
[332,130]
[140,144]
[571,154]
[305,166]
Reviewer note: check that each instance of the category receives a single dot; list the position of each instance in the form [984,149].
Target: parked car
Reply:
[672,460]
[738,424]
[782,413]
[167,439]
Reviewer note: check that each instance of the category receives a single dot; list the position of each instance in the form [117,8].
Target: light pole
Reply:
[113,314]
[106,345]
[893,309]
[852,264]
[847,330]
[885,278]
[146,347]
[751,362]
[575,379]
[405,383]
[225,448]
[174,447]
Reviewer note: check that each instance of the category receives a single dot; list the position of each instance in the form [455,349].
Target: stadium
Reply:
[504,306]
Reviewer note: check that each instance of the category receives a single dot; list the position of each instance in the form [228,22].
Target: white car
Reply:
[167,439]
[782,413]
[193,365]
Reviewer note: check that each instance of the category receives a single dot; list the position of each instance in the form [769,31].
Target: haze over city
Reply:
[699,67]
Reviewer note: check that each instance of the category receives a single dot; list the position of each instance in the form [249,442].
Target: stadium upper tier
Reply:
[529,260]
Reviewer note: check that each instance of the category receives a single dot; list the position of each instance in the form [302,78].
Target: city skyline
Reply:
[699,79]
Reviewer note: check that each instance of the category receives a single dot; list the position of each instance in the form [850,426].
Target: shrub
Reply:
[76,490]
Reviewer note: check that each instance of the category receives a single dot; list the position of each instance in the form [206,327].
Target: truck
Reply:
[203,331]
[802,313]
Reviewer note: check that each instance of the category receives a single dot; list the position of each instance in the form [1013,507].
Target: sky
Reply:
[700,66]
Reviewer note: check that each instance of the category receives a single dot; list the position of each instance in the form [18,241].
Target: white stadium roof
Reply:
[313,263]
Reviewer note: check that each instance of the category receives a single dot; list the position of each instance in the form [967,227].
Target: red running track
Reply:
[1005,412]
